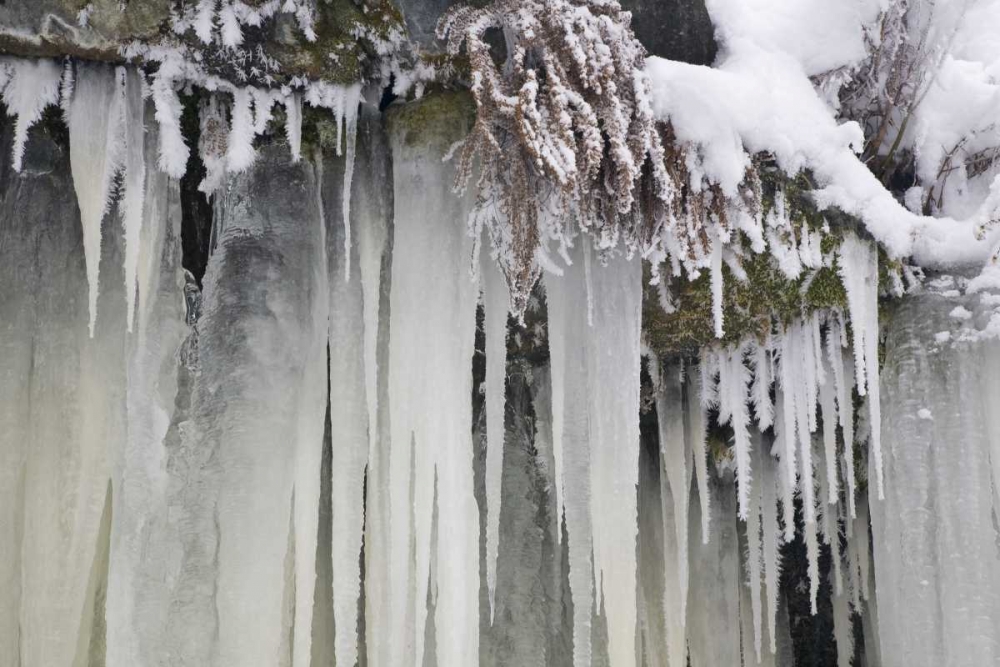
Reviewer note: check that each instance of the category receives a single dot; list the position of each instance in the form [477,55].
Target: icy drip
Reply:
[568,347]
[675,493]
[350,444]
[432,331]
[496,300]
[263,314]
[141,551]
[936,560]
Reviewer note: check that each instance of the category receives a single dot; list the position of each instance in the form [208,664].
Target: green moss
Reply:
[346,45]
[750,307]
[432,119]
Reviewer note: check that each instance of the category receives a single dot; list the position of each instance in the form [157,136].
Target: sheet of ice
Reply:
[935,550]
[141,559]
[63,416]
[264,314]
[614,355]
[433,309]
[350,442]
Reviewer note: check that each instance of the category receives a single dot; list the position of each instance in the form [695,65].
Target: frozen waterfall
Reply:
[332,442]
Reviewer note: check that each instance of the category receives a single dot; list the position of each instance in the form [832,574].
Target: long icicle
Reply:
[496,300]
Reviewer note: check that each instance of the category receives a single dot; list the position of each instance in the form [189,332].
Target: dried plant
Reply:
[564,127]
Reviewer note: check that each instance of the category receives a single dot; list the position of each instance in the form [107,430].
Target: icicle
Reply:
[350,435]
[753,529]
[805,416]
[134,185]
[675,494]
[733,382]
[829,411]
[858,264]
[761,393]
[173,151]
[352,96]
[847,414]
[812,557]
[293,125]
[240,153]
[496,301]
[836,555]
[204,23]
[843,630]
[696,420]
[786,434]
[771,543]
[28,87]
[568,336]
[96,140]
[717,287]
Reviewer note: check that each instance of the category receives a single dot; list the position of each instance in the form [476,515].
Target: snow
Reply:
[720,111]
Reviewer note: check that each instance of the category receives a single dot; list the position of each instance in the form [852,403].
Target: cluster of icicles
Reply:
[403,484]
[104,109]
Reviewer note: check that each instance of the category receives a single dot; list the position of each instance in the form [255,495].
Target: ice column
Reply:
[257,422]
[432,335]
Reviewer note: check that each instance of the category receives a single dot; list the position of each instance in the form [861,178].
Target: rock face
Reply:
[675,29]
[54,27]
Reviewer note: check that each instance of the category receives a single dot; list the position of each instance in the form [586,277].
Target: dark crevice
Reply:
[196,207]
